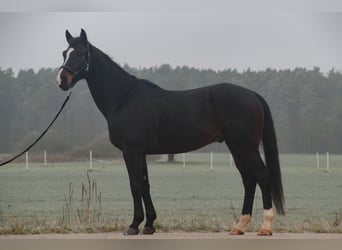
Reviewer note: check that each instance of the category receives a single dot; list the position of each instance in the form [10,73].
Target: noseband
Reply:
[78,75]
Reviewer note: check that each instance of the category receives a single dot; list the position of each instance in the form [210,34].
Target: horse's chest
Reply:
[129,132]
[115,139]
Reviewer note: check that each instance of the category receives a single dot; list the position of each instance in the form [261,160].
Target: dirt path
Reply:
[176,235]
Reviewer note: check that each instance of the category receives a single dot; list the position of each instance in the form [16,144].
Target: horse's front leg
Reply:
[134,164]
[150,211]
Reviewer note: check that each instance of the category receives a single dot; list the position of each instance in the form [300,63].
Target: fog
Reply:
[201,39]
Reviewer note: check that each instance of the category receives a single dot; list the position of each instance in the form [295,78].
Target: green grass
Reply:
[190,198]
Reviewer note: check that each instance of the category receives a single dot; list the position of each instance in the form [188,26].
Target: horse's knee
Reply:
[136,187]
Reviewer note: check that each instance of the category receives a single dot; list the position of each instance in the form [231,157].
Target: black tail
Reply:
[272,158]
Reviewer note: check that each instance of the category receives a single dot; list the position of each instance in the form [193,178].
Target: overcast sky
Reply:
[217,39]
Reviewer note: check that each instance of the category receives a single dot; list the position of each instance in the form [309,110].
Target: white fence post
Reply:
[26,156]
[45,159]
[91,160]
[211,162]
[317,160]
[328,163]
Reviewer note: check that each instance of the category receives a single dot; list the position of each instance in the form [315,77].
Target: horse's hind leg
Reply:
[263,179]
[249,184]
[246,215]
[254,171]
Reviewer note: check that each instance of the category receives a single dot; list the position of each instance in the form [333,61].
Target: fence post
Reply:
[91,160]
[328,164]
[26,156]
[45,159]
[317,160]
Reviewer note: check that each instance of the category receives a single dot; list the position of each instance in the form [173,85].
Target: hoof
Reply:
[131,231]
[236,231]
[148,230]
[264,232]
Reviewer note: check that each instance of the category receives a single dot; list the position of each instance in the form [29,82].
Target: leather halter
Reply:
[78,75]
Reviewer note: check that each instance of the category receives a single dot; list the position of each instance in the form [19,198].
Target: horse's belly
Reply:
[184,141]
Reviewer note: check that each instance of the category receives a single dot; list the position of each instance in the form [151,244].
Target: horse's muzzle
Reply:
[64,86]
[65,79]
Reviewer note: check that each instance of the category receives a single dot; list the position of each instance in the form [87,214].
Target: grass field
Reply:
[190,198]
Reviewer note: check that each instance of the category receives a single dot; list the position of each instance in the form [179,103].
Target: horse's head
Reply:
[76,61]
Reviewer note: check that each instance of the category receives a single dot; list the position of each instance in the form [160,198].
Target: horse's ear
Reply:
[83,36]
[68,36]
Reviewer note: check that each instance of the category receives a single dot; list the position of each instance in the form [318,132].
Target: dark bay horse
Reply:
[146,119]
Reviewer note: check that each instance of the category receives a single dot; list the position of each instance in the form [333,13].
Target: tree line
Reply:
[306,105]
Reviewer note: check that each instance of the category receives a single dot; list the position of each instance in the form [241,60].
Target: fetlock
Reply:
[243,222]
[137,221]
[268,219]
[150,220]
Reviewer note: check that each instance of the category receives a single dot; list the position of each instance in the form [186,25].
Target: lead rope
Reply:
[43,133]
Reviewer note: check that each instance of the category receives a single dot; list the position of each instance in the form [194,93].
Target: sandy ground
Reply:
[176,235]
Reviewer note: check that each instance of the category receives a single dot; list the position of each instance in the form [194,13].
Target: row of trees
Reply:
[306,106]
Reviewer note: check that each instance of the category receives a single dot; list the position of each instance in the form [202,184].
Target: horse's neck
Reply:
[108,83]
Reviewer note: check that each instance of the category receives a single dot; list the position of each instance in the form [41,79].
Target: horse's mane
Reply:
[118,70]
[110,62]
